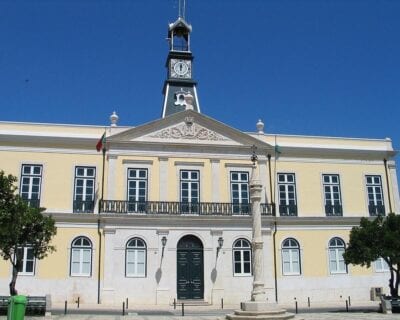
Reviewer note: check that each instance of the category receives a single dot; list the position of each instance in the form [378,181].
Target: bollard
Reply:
[65,307]
[126,303]
[295,304]
[78,302]
[123,308]
[241,306]
[309,302]
[347,306]
[174,303]
[183,309]
[349,302]
[222,303]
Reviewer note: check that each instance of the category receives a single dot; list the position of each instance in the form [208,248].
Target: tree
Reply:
[374,239]
[21,226]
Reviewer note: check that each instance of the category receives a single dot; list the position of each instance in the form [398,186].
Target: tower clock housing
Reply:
[179,87]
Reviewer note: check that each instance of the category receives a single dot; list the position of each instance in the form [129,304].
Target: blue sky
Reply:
[303,67]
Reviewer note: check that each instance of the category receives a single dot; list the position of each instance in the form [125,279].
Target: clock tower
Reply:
[179,88]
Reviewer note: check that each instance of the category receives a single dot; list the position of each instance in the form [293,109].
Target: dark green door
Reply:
[190,268]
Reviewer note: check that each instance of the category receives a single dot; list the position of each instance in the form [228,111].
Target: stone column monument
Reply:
[258,307]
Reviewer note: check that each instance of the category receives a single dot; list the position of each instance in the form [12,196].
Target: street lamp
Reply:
[220,244]
[163,243]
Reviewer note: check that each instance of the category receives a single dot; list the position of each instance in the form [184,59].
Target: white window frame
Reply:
[374,185]
[85,194]
[243,186]
[135,249]
[134,176]
[330,185]
[285,184]
[380,265]
[23,271]
[189,206]
[242,249]
[292,249]
[30,177]
[81,249]
[337,250]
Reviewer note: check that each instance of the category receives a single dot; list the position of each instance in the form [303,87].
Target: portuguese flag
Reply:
[101,143]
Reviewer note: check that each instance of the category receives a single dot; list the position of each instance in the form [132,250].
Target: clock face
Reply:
[180,68]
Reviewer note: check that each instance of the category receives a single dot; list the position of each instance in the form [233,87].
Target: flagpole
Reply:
[275,228]
[102,177]
[98,220]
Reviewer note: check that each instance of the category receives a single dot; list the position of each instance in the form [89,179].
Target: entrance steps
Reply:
[193,302]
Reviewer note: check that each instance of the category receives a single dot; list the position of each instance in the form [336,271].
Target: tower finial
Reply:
[182,9]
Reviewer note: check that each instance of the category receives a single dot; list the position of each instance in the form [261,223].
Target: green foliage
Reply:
[374,239]
[22,225]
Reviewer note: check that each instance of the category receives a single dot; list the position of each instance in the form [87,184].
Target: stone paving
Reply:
[367,311]
[304,316]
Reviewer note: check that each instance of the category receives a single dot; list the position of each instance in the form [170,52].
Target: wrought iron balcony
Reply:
[81,206]
[333,210]
[34,203]
[288,210]
[180,208]
[376,210]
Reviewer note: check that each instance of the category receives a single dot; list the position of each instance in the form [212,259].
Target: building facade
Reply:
[164,211]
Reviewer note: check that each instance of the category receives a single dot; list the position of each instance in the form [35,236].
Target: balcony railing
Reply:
[34,203]
[81,206]
[288,210]
[376,210]
[180,208]
[334,210]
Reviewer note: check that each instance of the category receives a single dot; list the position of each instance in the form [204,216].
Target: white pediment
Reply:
[189,132]
[186,127]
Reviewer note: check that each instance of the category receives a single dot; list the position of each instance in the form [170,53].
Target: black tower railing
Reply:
[180,208]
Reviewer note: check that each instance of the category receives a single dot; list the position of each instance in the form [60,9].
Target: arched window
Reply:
[336,260]
[242,258]
[135,258]
[291,257]
[81,257]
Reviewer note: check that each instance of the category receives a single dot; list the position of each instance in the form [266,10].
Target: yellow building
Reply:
[165,213]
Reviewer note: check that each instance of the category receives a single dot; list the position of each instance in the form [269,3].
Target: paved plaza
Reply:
[368,311]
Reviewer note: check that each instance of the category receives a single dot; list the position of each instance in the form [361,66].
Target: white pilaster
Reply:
[112,167]
[215,175]
[163,167]
[108,265]
[395,187]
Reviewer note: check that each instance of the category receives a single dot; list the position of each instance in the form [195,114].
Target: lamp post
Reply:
[220,244]
[163,243]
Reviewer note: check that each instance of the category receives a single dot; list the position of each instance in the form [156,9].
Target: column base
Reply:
[260,310]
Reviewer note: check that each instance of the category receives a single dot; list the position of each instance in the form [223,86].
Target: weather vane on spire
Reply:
[182,8]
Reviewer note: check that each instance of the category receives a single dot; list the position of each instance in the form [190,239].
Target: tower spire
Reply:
[182,9]
[179,87]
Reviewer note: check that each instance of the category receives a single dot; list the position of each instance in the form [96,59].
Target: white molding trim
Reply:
[188,163]
[238,165]
[133,161]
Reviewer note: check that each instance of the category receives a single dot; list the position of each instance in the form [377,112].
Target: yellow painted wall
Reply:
[309,186]
[5,268]
[57,176]
[57,264]
[314,251]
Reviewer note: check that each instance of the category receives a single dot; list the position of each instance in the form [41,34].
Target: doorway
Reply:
[190,268]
